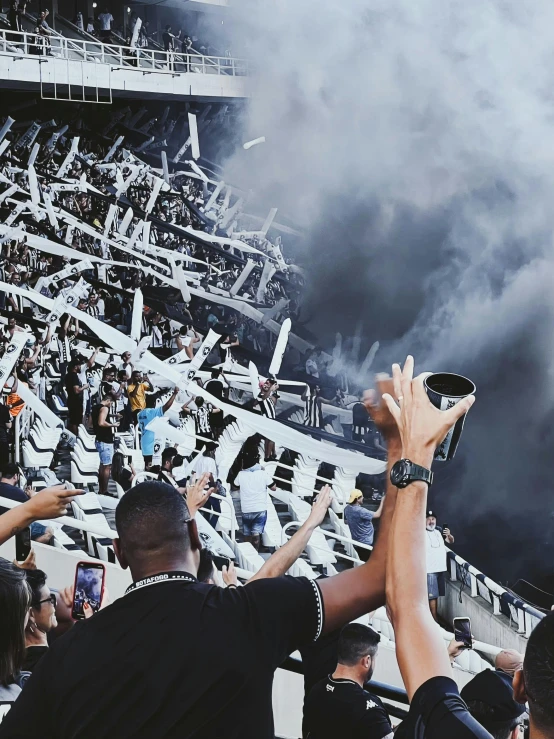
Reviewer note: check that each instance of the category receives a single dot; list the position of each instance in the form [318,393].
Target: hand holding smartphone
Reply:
[462,631]
[88,588]
[23,544]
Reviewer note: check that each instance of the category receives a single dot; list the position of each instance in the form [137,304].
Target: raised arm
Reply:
[379,510]
[92,358]
[419,643]
[358,591]
[283,559]
[49,503]
[168,403]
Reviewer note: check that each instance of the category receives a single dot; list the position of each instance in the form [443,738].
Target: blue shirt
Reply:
[13,493]
[359,521]
[147,437]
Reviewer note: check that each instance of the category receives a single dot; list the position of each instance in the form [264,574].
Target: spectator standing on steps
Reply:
[360,522]
[149,414]
[105,19]
[253,482]
[435,548]
[104,425]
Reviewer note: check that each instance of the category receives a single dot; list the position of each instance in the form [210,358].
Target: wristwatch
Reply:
[404,472]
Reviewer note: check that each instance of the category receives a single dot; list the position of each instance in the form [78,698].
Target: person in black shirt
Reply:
[361,420]
[436,708]
[174,658]
[5,426]
[216,388]
[104,426]
[339,706]
[75,389]
[490,699]
[120,473]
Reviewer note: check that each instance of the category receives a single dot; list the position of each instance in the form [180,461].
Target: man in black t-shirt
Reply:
[490,699]
[175,658]
[339,706]
[74,389]
[5,425]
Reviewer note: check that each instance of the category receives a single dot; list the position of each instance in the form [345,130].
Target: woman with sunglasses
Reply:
[42,619]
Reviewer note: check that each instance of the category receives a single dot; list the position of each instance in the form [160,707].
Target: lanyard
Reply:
[161,577]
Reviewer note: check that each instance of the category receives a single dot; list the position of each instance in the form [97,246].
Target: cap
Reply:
[355,495]
[431,514]
[495,690]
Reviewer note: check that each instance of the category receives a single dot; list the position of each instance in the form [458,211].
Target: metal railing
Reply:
[502,601]
[331,535]
[148,61]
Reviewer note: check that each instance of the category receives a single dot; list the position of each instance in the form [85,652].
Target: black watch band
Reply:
[405,472]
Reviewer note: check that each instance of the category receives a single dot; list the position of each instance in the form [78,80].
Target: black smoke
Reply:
[413,141]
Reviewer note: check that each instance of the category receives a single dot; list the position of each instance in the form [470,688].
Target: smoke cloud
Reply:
[413,141]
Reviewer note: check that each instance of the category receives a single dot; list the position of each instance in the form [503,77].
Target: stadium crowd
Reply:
[128,297]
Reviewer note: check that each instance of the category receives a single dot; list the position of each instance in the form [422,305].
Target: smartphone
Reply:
[89,587]
[462,631]
[23,544]
[444,526]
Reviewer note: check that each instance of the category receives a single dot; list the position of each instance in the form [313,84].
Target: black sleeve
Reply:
[286,612]
[4,414]
[375,723]
[437,711]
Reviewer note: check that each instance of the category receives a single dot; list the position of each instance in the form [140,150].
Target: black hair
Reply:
[151,400]
[206,565]
[14,604]
[36,580]
[150,518]
[215,373]
[538,673]
[251,457]
[118,463]
[486,715]
[178,460]
[199,401]
[355,642]
[168,454]
[9,470]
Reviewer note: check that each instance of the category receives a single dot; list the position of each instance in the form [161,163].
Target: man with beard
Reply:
[339,705]
[436,559]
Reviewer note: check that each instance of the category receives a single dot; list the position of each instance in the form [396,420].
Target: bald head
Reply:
[509,661]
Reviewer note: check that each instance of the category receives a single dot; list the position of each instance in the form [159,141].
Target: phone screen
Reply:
[89,586]
[462,631]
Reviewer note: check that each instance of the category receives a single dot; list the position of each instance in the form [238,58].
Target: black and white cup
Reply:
[444,391]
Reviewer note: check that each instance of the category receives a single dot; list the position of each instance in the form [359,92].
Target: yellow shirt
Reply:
[138,399]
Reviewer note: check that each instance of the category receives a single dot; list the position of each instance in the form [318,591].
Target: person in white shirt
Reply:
[436,560]
[105,19]
[253,482]
[205,462]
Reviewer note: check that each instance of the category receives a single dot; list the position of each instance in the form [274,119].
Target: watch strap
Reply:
[405,472]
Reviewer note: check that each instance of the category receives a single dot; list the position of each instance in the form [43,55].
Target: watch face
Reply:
[399,472]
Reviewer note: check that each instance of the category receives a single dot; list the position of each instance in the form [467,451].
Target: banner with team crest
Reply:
[13,350]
